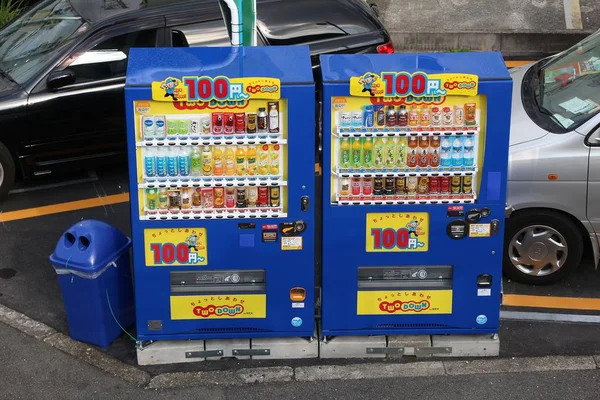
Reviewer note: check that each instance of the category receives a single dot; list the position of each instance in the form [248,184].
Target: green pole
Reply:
[248,10]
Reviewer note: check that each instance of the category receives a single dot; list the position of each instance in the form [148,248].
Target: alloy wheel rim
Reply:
[538,250]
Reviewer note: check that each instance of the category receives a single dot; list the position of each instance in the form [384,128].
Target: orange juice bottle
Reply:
[263,159]
[251,160]
[218,161]
[240,161]
[229,162]
[274,159]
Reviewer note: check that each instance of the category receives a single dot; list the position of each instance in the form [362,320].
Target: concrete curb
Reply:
[244,376]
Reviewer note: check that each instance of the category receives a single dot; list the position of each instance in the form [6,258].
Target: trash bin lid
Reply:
[88,246]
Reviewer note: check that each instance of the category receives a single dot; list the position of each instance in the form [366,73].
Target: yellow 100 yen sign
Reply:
[398,231]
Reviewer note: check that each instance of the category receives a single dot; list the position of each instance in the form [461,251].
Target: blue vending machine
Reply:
[415,154]
[221,160]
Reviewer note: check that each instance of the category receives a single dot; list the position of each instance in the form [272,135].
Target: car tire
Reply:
[7,172]
[541,247]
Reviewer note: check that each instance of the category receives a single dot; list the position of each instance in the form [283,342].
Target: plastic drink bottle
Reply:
[401,152]
[263,159]
[368,153]
[356,153]
[240,161]
[207,161]
[251,160]
[217,161]
[150,163]
[196,161]
[184,162]
[468,158]
[229,162]
[390,152]
[172,162]
[161,162]
[378,158]
[274,159]
[345,154]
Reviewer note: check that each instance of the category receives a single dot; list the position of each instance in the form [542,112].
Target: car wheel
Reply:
[7,171]
[541,248]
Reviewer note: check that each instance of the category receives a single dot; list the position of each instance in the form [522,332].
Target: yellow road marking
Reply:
[569,303]
[514,64]
[63,207]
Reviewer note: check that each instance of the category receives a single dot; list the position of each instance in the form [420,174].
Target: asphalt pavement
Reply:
[30,369]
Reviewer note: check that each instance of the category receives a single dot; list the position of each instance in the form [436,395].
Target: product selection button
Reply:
[485,212]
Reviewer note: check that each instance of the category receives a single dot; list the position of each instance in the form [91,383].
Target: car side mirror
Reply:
[58,79]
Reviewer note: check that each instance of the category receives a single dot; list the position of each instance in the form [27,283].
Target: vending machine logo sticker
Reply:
[481,319]
[398,231]
[172,247]
[415,85]
[218,88]
[218,307]
[296,322]
[404,302]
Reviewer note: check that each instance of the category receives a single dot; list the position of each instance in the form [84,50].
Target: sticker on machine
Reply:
[480,230]
[173,247]
[223,306]
[291,243]
[397,231]
[404,302]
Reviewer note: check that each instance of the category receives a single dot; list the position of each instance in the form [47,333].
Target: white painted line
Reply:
[549,317]
[573,14]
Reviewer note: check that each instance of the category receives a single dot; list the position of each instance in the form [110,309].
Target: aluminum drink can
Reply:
[411,185]
[400,186]
[240,123]
[378,186]
[467,184]
[445,185]
[228,123]
[263,196]
[230,197]
[240,198]
[423,185]
[367,187]
[274,196]
[455,185]
[434,185]
[436,116]
[217,123]
[390,186]
[355,185]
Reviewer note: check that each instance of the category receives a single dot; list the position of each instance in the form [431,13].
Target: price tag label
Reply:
[170,247]
[394,232]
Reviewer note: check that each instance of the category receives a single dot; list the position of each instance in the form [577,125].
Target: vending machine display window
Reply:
[204,163]
[406,151]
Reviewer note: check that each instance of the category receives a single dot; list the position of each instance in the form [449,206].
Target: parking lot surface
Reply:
[37,213]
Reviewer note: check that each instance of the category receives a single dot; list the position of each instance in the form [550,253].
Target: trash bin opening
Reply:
[69,239]
[84,243]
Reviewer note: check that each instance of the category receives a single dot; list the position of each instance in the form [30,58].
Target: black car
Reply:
[63,65]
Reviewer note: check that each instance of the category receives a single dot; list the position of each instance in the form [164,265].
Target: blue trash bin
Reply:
[92,262]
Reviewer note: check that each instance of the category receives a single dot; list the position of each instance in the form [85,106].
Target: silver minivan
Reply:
[554,170]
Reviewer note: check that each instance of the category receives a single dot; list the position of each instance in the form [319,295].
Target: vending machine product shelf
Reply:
[221,169]
[416,147]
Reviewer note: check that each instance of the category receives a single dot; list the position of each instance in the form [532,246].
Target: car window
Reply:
[108,59]
[207,33]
